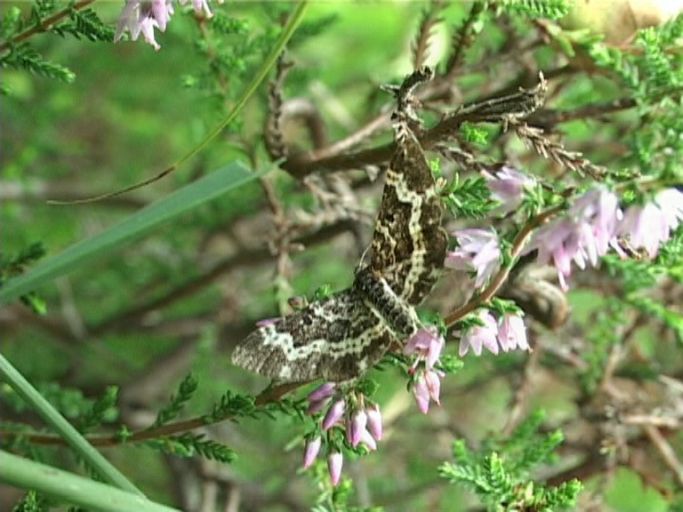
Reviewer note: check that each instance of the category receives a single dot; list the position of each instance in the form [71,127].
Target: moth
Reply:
[344,335]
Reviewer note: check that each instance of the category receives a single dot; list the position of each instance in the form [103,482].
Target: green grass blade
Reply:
[72,437]
[164,210]
[70,488]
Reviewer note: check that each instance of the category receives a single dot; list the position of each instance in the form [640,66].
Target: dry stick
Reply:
[665,451]
[45,24]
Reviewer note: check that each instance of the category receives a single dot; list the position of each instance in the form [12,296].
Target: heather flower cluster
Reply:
[478,251]
[143,16]
[594,223]
[360,421]
[507,333]
[426,346]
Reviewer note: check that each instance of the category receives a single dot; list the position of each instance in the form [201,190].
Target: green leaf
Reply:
[64,486]
[103,244]
[71,436]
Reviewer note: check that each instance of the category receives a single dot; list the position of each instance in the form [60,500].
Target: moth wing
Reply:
[408,244]
[337,339]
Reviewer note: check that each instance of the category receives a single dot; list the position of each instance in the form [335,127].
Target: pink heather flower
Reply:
[507,187]
[427,343]
[311,452]
[646,227]
[374,421]
[512,333]
[356,427]
[427,388]
[584,234]
[650,225]
[477,251]
[335,461]
[334,414]
[143,16]
[670,201]
[322,392]
[367,439]
[267,322]
[320,397]
[421,392]
[479,336]
[200,7]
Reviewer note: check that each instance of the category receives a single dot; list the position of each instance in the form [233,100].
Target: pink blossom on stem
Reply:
[427,388]
[311,452]
[479,336]
[142,17]
[356,427]
[512,332]
[335,461]
[650,225]
[268,322]
[322,392]
[477,251]
[433,381]
[507,187]
[334,414]
[374,421]
[367,439]
[421,392]
[200,7]
[584,234]
[320,397]
[427,343]
[670,201]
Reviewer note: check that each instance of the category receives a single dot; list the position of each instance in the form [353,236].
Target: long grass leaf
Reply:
[114,238]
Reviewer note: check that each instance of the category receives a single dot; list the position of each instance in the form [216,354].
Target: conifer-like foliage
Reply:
[173,173]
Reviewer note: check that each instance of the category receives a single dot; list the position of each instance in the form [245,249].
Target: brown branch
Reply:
[45,24]
[572,160]
[516,105]
[269,395]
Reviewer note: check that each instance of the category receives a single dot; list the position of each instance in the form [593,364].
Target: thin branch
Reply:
[420,46]
[463,39]
[665,451]
[45,24]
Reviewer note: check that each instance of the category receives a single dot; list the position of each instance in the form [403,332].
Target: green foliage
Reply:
[16,265]
[103,410]
[605,332]
[499,473]
[552,9]
[45,16]
[32,502]
[231,405]
[468,197]
[189,445]
[186,390]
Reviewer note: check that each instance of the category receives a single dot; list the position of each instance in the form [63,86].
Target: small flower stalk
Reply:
[352,415]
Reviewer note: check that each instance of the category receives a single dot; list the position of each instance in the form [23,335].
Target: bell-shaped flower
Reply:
[478,251]
[311,451]
[478,336]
